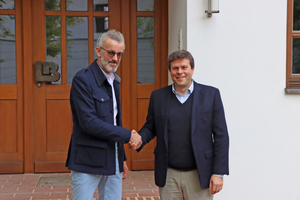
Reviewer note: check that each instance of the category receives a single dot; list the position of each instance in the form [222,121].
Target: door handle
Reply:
[46,72]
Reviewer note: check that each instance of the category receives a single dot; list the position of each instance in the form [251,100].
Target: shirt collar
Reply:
[189,90]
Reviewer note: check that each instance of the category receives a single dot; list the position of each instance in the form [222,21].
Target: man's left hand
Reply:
[215,184]
[125,173]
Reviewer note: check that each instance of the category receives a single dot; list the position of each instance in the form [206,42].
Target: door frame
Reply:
[28,77]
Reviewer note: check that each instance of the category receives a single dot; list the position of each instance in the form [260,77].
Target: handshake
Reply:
[135,140]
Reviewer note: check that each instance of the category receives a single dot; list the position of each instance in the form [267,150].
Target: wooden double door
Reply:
[43,43]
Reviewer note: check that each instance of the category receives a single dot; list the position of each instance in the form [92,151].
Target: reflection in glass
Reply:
[53,42]
[296,56]
[8,72]
[81,5]
[145,5]
[77,45]
[296,21]
[100,5]
[7,4]
[145,49]
[52,5]
[100,26]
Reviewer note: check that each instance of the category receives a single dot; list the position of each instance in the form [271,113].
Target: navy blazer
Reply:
[209,134]
[92,145]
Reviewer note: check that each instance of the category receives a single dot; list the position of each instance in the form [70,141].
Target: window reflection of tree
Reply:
[53,28]
[53,32]
[7,36]
[145,45]
[5,32]
[52,5]
[8,49]
[145,29]
[7,4]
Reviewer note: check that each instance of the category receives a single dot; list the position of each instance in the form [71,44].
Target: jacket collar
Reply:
[100,77]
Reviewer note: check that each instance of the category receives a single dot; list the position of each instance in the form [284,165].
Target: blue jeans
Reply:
[109,187]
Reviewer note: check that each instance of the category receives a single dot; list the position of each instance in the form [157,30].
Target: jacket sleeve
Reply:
[220,136]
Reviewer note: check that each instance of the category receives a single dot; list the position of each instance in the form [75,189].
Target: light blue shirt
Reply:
[186,95]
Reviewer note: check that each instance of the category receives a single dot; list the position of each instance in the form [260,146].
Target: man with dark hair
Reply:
[96,154]
[188,120]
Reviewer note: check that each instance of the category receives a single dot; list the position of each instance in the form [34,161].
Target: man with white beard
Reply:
[96,154]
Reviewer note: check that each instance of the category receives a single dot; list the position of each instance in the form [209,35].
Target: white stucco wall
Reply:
[242,51]
[177,21]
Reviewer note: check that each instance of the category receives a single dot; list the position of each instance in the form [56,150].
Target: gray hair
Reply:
[112,34]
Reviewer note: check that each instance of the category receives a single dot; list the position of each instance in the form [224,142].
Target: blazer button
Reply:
[111,111]
[102,99]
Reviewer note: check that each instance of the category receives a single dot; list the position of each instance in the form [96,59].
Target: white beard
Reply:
[106,65]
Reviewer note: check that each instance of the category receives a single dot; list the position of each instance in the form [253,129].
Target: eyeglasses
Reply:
[111,53]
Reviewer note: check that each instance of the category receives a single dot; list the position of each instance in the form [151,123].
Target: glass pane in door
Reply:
[53,42]
[81,5]
[145,5]
[7,4]
[100,5]
[296,15]
[145,50]
[77,45]
[8,72]
[296,56]
[52,5]
[100,26]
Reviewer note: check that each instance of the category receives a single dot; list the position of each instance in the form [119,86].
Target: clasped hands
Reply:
[135,140]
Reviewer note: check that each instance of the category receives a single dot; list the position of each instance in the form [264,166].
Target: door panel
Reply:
[11,93]
[56,138]
[144,160]
[58,125]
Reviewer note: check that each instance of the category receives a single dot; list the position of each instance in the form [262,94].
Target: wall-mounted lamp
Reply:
[212,7]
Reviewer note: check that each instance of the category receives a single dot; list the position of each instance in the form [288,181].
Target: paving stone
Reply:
[54,181]
[139,185]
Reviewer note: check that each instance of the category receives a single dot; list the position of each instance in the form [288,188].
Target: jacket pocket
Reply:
[103,105]
[101,98]
[90,156]
[91,141]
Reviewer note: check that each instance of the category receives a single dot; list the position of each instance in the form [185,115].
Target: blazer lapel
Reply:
[197,106]
[165,102]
